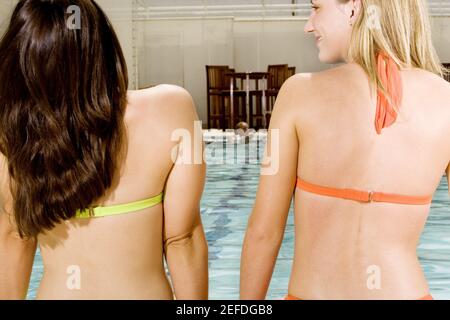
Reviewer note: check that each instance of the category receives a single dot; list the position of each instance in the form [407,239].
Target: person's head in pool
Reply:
[63,86]
[356,30]
[242,128]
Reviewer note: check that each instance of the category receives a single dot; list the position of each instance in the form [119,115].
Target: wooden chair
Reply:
[291,71]
[447,75]
[215,76]
[278,75]
[218,98]
[256,115]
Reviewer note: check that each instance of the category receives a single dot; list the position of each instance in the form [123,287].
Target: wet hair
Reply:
[63,96]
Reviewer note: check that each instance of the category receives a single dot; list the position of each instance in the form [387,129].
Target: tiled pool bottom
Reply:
[227,202]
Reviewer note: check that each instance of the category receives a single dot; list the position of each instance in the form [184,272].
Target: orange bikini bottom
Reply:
[289,297]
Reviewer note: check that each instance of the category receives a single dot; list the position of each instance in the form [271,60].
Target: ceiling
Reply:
[243,8]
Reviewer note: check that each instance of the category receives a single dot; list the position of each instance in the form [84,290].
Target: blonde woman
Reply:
[363,146]
[88,170]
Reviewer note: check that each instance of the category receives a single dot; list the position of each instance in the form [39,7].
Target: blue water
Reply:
[227,203]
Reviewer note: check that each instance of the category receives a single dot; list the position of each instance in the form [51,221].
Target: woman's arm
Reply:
[16,262]
[267,222]
[16,255]
[185,244]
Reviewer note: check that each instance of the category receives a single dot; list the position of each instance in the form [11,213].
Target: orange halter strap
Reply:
[390,77]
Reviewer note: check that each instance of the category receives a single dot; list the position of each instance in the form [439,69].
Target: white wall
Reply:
[6,7]
[441,37]
[176,51]
[120,12]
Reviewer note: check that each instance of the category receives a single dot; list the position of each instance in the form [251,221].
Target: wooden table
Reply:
[248,76]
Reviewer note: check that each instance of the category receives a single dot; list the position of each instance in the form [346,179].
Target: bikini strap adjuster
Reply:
[370,196]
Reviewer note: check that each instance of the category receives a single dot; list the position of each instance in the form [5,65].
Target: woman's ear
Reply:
[350,9]
[354,10]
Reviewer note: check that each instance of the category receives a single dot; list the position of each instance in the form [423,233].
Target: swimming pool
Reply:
[227,203]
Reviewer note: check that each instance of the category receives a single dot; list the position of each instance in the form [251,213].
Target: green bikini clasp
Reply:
[121,208]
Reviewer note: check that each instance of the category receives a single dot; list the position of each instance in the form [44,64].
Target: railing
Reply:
[143,12]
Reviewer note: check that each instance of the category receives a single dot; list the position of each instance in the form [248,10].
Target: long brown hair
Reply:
[62,103]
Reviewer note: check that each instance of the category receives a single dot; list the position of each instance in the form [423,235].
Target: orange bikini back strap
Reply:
[362,196]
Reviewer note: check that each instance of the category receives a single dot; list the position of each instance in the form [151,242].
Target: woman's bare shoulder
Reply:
[309,87]
[432,87]
[161,96]
[334,76]
[167,104]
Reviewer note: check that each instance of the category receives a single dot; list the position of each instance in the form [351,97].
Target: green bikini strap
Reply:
[121,208]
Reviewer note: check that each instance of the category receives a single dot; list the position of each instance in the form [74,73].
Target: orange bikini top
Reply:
[386,115]
[362,196]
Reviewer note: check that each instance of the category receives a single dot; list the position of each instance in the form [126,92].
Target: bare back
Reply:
[121,257]
[340,241]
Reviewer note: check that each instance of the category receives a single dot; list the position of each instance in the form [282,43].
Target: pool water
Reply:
[232,181]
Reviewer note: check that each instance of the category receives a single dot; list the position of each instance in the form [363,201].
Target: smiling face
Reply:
[331,24]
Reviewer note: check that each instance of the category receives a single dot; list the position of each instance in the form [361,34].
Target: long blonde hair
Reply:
[401,29]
